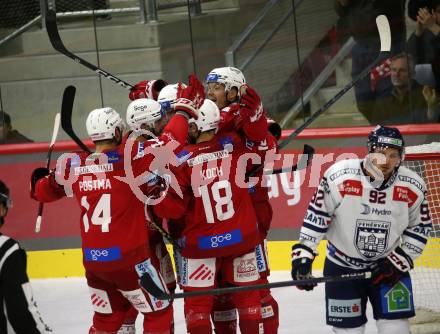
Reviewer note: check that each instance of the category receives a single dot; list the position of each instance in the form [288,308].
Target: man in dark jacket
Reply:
[7,134]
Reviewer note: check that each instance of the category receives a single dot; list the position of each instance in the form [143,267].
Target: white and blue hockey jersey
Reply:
[363,224]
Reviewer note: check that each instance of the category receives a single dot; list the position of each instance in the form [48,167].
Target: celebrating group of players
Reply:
[191,161]
[219,239]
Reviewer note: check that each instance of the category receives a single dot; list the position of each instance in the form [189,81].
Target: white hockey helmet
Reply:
[168,96]
[229,76]
[143,111]
[102,123]
[209,116]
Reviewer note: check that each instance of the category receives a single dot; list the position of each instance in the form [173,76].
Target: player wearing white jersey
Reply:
[375,217]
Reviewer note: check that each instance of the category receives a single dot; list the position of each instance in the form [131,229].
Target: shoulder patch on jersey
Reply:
[113,156]
[227,143]
[324,185]
[404,194]
[350,187]
[74,161]
[140,149]
[410,180]
[183,156]
[345,171]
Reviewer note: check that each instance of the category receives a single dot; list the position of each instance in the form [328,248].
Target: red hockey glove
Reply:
[251,107]
[191,98]
[147,89]
[302,259]
[37,174]
[390,269]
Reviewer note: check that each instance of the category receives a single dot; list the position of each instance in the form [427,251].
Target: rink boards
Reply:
[68,262]
[55,251]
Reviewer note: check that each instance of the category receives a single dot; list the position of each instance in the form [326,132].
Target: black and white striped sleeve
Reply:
[20,306]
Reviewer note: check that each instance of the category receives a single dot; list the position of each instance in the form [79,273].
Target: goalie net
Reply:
[425,161]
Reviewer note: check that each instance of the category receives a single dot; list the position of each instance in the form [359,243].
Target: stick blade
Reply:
[383,26]
[56,127]
[50,21]
[67,107]
[147,283]
[306,157]
[66,116]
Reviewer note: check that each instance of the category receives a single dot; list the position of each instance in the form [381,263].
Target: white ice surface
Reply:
[65,306]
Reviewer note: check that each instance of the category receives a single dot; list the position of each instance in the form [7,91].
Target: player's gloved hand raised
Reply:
[390,269]
[148,89]
[36,175]
[251,108]
[302,259]
[190,99]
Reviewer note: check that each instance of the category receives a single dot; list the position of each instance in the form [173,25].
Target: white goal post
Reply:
[425,161]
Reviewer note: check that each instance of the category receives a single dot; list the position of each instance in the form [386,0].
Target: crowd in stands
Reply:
[405,86]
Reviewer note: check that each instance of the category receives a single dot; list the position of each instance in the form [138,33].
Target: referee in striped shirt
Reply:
[18,308]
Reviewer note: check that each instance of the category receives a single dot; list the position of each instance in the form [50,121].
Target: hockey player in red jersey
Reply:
[242,110]
[240,106]
[113,230]
[220,230]
[149,118]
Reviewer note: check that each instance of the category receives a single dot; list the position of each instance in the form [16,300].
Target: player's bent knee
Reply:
[394,326]
[356,330]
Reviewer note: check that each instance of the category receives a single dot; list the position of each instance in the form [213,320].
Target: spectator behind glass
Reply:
[409,102]
[357,18]
[9,135]
[424,42]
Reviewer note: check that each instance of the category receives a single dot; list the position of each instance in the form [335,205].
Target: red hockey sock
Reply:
[269,312]
[159,322]
[198,323]
[224,315]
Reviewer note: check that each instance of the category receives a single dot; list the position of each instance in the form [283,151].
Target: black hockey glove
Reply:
[302,259]
[390,269]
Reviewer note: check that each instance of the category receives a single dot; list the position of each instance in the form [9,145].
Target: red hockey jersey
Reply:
[110,187]
[219,219]
[232,118]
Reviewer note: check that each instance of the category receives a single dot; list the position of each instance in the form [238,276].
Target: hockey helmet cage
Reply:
[229,76]
[168,96]
[208,117]
[384,137]
[101,124]
[143,111]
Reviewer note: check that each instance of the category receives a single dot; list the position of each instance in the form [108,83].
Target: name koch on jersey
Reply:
[362,223]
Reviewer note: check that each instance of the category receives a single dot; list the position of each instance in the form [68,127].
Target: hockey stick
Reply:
[147,283]
[55,39]
[66,117]
[303,163]
[383,27]
[56,127]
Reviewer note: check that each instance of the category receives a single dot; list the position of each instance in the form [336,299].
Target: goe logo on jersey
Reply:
[102,254]
[220,240]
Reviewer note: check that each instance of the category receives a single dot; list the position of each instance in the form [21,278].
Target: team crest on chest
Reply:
[371,237]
